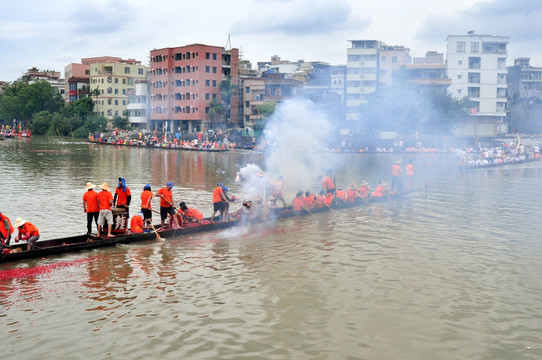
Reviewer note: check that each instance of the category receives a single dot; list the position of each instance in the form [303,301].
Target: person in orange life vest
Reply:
[275,189]
[166,203]
[409,173]
[146,197]
[136,223]
[220,202]
[340,195]
[352,192]
[6,229]
[298,203]
[28,232]
[364,189]
[381,189]
[309,199]
[190,214]
[90,206]
[105,200]
[328,184]
[123,196]
[396,183]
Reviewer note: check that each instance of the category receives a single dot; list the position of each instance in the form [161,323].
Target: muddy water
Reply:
[450,274]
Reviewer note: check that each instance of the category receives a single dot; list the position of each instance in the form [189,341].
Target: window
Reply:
[207,96]
[116,113]
[214,96]
[188,55]
[207,69]
[207,109]
[207,55]
[178,57]
[214,69]
[124,91]
[353,58]
[247,89]
[116,102]
[116,80]
[116,91]
[109,101]
[473,92]
[460,47]
[140,71]
[474,78]
[110,90]
[501,78]
[127,70]
[247,104]
[474,47]
[474,62]
[178,96]
[459,62]
[214,83]
[459,76]
[123,102]
[207,82]
[178,83]
[459,91]
[214,56]
[124,81]
[73,86]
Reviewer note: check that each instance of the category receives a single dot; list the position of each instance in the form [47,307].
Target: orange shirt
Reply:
[341,194]
[379,192]
[194,214]
[166,195]
[298,204]
[104,199]
[218,193]
[136,224]
[309,200]
[320,201]
[28,229]
[409,170]
[363,190]
[351,195]
[329,199]
[122,196]
[3,230]
[146,197]
[91,200]
[395,170]
[327,183]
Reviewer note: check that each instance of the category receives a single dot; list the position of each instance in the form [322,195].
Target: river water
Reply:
[454,273]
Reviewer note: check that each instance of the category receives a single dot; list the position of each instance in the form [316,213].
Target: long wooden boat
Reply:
[87,242]
[468,166]
[150,146]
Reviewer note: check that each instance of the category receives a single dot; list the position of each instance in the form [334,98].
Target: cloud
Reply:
[16,30]
[299,18]
[519,19]
[109,18]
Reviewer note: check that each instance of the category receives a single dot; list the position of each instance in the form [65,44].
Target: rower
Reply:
[28,232]
[298,202]
[352,192]
[275,188]
[340,196]
[166,203]
[136,223]
[6,229]
[220,202]
[409,173]
[122,196]
[396,177]
[381,189]
[364,189]
[190,214]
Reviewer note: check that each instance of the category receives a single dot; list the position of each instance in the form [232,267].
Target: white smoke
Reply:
[296,138]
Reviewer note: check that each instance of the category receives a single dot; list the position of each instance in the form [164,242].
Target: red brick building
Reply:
[184,81]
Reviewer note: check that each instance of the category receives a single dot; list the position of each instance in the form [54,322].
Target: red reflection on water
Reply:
[18,273]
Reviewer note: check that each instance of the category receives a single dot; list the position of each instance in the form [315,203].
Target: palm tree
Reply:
[216,111]
[227,90]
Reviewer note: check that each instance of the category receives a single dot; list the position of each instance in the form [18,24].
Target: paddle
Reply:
[156,232]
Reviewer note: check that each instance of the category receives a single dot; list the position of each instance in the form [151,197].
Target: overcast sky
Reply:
[51,34]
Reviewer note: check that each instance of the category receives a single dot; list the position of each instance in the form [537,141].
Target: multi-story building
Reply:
[111,81]
[139,104]
[476,64]
[428,72]
[51,76]
[185,82]
[525,96]
[77,81]
[274,87]
[369,64]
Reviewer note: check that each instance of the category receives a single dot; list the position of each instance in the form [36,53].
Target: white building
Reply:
[139,104]
[476,64]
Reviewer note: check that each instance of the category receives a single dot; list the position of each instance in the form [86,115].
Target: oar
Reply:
[156,232]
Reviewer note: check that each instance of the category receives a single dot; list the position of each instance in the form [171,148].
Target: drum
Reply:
[120,220]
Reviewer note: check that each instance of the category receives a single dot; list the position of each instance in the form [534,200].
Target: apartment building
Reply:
[525,96]
[52,77]
[185,82]
[111,82]
[428,72]
[77,77]
[476,64]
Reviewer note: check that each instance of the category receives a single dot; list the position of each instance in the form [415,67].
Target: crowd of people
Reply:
[105,207]
[507,153]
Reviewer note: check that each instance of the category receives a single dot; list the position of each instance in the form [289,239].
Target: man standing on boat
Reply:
[327,183]
[90,206]
[6,229]
[220,202]
[123,197]
[105,200]
[396,183]
[409,173]
[146,197]
[166,202]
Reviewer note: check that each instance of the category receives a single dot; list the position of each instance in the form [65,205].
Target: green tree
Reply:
[227,90]
[83,108]
[216,112]
[266,109]
[41,122]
